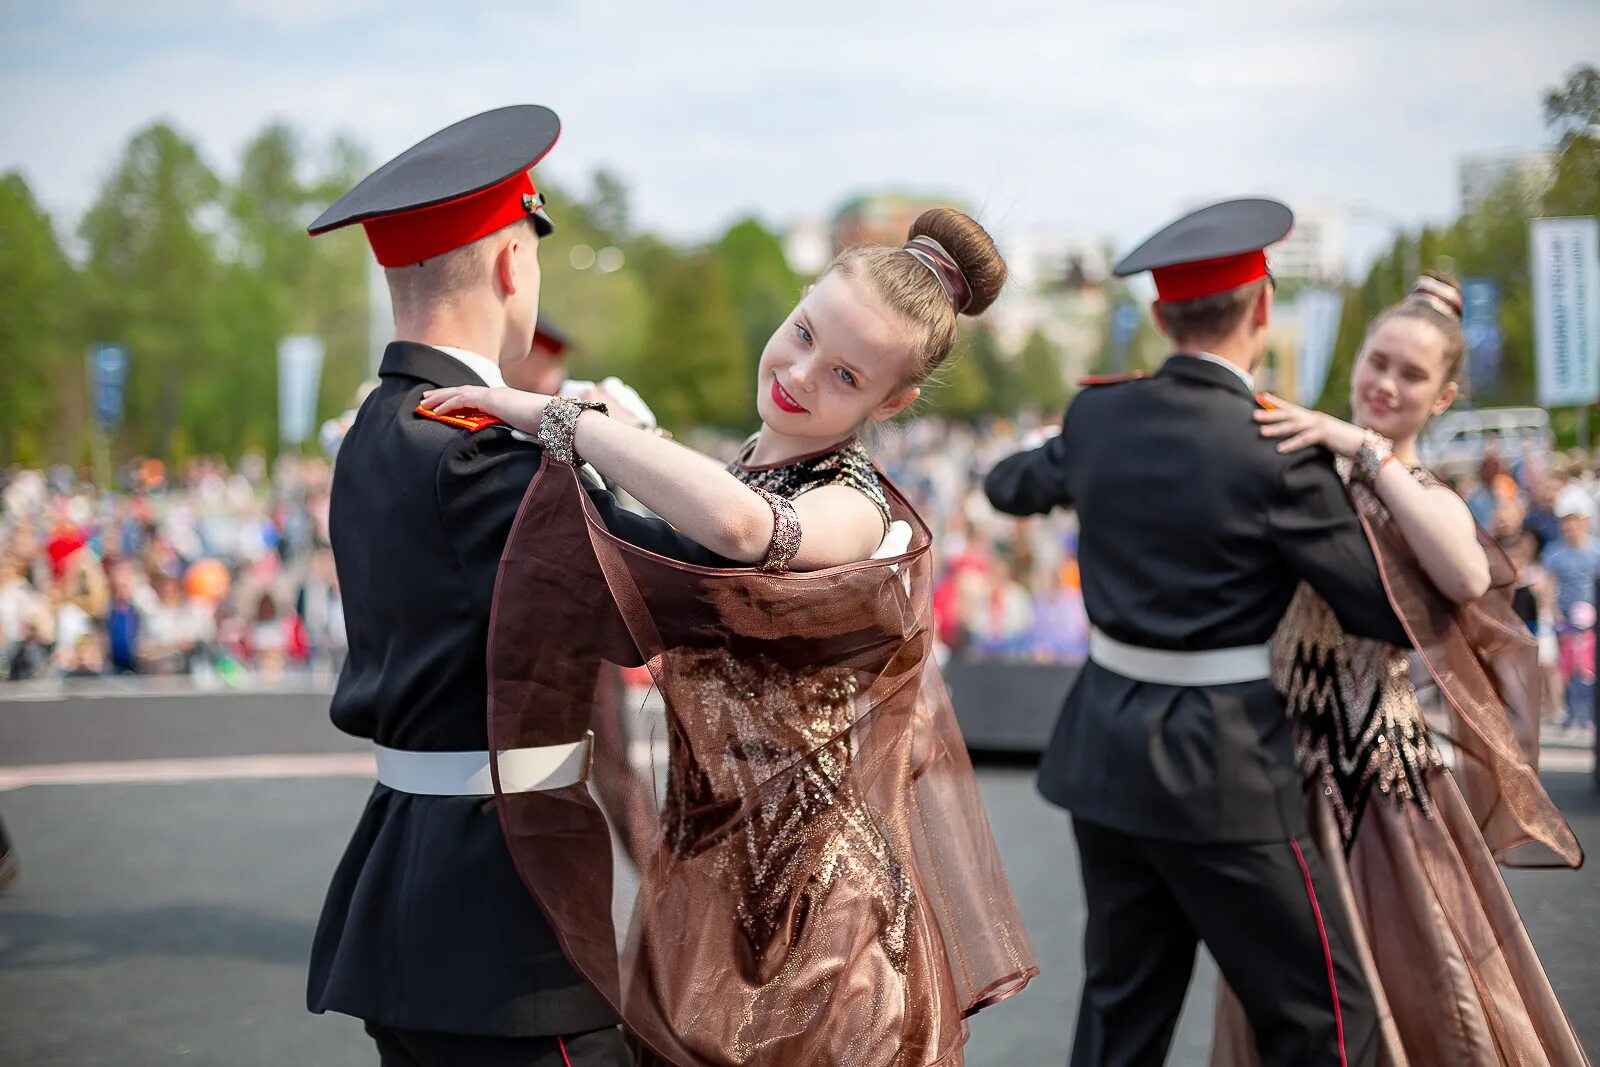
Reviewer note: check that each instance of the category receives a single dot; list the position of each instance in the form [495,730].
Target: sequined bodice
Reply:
[1358,728]
[847,464]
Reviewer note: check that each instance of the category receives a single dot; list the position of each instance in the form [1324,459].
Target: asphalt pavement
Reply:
[168,922]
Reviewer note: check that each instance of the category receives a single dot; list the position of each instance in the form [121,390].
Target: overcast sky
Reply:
[1103,117]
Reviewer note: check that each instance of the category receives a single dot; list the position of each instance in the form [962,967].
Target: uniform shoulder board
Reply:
[472,421]
[1111,379]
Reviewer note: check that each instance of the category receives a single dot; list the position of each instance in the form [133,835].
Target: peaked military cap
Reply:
[462,183]
[1212,250]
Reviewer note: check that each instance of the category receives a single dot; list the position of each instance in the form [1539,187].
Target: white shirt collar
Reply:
[482,366]
[1249,382]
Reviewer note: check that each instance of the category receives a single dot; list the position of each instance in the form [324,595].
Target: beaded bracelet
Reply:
[785,531]
[1375,451]
[558,427]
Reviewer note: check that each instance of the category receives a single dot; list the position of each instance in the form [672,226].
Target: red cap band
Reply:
[415,236]
[1191,281]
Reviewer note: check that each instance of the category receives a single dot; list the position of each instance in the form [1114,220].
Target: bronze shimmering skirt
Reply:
[1456,981]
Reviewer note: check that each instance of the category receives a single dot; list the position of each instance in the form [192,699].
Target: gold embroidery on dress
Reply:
[757,722]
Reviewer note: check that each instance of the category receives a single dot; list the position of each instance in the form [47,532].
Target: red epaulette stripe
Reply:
[466,420]
[1111,379]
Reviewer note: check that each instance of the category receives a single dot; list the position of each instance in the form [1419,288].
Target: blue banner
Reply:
[299,376]
[1124,323]
[1480,322]
[108,377]
[1318,311]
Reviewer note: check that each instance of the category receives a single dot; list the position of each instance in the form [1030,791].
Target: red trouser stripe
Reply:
[564,1057]
[1327,953]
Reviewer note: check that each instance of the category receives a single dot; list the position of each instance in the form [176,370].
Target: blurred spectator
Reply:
[1541,520]
[1574,562]
[322,610]
[125,619]
[1483,499]
[1577,669]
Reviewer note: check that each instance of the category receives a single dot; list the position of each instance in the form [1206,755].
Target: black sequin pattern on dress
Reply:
[1359,732]
[845,464]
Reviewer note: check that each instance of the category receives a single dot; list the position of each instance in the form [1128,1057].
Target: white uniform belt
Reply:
[466,774]
[1213,666]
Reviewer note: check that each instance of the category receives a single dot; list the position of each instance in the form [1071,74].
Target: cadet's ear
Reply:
[505,266]
[1263,309]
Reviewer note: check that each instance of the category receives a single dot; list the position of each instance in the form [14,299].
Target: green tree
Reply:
[1573,108]
[34,349]
[153,283]
[1042,376]
[697,373]
[964,387]
[763,288]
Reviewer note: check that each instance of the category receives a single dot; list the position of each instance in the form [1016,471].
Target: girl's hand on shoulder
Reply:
[514,407]
[1297,427]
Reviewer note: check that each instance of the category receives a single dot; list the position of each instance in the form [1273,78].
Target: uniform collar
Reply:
[1209,369]
[482,366]
[1209,357]
[438,366]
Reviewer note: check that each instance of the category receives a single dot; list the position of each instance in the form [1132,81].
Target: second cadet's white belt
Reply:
[1214,666]
[466,774]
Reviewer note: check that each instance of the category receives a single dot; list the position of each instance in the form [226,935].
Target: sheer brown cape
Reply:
[788,863]
[1486,666]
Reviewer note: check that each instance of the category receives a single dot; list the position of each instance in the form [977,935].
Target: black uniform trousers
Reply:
[423,1048]
[1266,912]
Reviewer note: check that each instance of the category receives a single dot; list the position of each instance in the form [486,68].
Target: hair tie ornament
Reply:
[931,254]
[1441,296]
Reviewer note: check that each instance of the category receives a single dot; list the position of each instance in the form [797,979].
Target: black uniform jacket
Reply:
[426,924]
[1194,532]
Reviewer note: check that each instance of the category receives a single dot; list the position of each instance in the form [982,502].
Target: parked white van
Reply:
[1460,438]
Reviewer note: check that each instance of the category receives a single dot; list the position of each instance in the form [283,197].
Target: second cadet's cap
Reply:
[448,190]
[550,339]
[1212,250]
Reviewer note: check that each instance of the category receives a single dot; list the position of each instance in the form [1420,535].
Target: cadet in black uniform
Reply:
[1173,752]
[427,933]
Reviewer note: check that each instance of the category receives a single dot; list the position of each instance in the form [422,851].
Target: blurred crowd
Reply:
[225,571]
[216,571]
[1544,510]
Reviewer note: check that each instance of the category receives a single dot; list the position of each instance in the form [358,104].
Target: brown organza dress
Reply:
[789,863]
[1411,845]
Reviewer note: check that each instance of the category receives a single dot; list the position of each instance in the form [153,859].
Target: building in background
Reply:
[1318,247]
[881,218]
[1478,175]
[1057,287]
[808,246]
[1057,284]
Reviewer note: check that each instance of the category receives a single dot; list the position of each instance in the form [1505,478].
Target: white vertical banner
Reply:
[1318,312]
[299,375]
[1565,271]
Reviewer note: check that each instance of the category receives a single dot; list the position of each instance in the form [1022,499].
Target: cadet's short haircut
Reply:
[1208,318]
[446,277]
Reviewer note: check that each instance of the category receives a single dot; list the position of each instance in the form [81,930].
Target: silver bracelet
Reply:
[558,427]
[1375,451]
[785,531]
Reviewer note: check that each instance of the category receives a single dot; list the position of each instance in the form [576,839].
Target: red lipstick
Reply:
[785,402]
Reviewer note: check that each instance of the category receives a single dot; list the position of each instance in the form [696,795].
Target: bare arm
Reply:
[1436,523]
[691,491]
